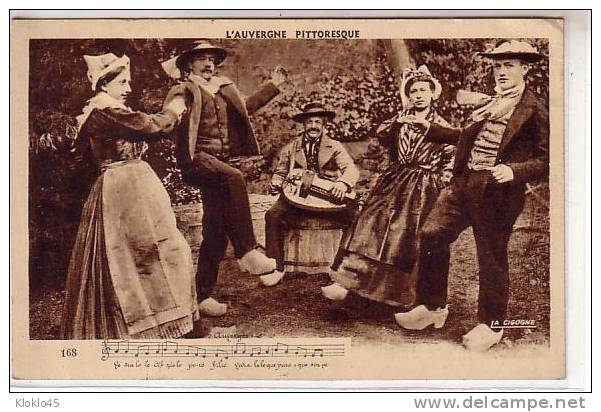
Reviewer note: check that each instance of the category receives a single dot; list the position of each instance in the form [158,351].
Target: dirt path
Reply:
[296,308]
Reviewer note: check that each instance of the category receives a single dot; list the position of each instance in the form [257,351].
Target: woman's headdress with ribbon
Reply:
[421,74]
[101,66]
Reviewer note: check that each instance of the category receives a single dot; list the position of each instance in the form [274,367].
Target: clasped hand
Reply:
[502,173]
[177,106]
[279,75]
[423,124]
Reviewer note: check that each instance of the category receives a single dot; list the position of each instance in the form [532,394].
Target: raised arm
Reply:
[442,134]
[261,97]
[268,91]
[139,125]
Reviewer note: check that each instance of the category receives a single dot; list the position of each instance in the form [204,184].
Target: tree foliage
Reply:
[352,77]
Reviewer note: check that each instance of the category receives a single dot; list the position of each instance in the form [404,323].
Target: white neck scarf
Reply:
[499,105]
[102,100]
[212,86]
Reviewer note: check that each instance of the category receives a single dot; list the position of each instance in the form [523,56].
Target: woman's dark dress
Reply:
[377,255]
[131,273]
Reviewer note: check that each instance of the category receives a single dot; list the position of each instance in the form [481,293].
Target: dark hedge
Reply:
[352,77]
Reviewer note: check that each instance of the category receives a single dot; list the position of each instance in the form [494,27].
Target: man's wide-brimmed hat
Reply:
[201,47]
[313,109]
[100,66]
[512,49]
[174,67]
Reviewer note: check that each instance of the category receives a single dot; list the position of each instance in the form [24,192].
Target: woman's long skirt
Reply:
[131,273]
[378,254]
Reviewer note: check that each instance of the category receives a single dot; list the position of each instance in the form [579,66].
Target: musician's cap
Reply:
[313,109]
[512,49]
[175,66]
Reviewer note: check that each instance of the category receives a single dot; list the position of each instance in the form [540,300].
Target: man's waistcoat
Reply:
[197,132]
[213,137]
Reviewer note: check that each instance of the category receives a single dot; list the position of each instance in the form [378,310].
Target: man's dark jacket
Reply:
[524,146]
[240,132]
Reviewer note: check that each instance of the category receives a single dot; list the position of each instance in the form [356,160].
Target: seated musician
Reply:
[312,151]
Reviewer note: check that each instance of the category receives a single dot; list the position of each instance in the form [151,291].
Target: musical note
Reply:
[126,348]
[222,352]
[240,348]
[281,347]
[301,350]
[119,346]
[317,352]
[196,351]
[170,347]
[137,354]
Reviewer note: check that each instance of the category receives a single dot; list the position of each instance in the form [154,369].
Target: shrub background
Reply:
[353,77]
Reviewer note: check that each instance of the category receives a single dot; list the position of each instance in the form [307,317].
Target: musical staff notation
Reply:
[161,349]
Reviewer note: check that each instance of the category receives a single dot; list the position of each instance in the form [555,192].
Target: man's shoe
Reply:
[272,279]
[481,338]
[334,292]
[256,263]
[211,307]
[420,318]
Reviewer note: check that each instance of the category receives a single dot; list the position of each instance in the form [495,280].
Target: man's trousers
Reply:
[282,216]
[226,215]
[491,216]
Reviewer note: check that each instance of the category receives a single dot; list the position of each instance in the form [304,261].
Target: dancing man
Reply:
[504,145]
[215,128]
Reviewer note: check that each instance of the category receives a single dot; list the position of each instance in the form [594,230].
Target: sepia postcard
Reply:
[287,199]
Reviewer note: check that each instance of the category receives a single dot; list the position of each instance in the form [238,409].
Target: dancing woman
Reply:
[130,274]
[377,255]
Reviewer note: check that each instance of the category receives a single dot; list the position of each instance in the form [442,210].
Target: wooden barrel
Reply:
[189,221]
[310,247]
[259,205]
